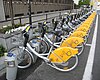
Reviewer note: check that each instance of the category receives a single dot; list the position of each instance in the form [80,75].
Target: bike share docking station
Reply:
[11,66]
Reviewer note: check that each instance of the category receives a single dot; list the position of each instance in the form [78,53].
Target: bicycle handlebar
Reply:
[26,35]
[25,32]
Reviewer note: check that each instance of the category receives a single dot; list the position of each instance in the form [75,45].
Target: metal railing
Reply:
[35,18]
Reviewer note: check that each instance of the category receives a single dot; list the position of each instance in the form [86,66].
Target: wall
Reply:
[2,14]
[21,8]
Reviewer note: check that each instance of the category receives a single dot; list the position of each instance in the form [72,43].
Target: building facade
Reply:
[20,7]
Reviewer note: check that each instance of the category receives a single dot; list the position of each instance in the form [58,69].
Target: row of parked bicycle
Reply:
[60,46]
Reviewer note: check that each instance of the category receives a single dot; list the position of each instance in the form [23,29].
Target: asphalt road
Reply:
[96,65]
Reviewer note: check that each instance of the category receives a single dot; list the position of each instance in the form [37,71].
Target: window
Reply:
[51,1]
[59,1]
[21,14]
[45,0]
[66,1]
[56,1]
[38,0]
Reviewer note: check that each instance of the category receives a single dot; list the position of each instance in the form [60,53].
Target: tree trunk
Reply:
[11,12]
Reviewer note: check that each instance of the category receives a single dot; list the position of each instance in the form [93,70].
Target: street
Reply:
[87,69]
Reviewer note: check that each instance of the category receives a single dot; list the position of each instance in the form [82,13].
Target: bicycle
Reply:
[30,51]
[27,51]
[24,55]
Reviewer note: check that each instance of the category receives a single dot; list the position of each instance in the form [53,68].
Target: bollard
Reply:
[11,66]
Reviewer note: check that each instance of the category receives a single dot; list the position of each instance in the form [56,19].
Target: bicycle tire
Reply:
[81,49]
[17,50]
[63,69]
[85,39]
[43,45]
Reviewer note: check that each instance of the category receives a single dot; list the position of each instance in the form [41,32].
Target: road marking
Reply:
[88,45]
[88,69]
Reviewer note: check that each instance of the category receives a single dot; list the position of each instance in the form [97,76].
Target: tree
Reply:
[11,12]
[84,2]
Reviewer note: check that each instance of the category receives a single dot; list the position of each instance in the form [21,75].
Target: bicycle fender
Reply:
[72,42]
[84,29]
[80,34]
[62,54]
[85,25]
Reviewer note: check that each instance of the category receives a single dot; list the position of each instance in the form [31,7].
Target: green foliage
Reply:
[84,2]
[19,25]
[2,50]
[3,30]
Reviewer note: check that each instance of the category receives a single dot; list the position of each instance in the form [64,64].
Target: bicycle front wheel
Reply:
[23,56]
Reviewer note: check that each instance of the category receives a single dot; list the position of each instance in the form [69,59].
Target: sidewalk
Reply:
[22,74]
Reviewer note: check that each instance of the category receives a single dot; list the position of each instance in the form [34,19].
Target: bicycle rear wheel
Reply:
[40,45]
[85,39]
[66,66]
[80,48]
[23,56]
[43,47]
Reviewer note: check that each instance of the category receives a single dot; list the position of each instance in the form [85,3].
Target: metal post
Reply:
[46,17]
[60,15]
[73,6]
[11,12]
[29,11]
[20,20]
[11,66]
